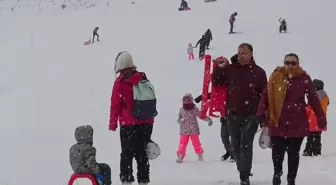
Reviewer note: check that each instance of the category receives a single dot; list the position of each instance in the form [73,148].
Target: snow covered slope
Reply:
[50,83]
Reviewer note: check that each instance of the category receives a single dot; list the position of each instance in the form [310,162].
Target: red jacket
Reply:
[122,99]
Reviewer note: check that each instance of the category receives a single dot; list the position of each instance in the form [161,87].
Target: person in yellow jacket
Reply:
[314,146]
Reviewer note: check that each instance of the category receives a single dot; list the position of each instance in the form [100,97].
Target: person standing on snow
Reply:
[246,82]
[232,20]
[190,52]
[283,25]
[208,36]
[83,156]
[189,129]
[313,145]
[95,34]
[283,110]
[202,43]
[135,133]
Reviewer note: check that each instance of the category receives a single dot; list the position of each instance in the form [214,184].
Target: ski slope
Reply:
[50,83]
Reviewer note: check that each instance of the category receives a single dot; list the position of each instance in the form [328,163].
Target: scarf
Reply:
[277,88]
[188,106]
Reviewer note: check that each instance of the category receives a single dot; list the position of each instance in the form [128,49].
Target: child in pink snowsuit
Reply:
[189,128]
[190,52]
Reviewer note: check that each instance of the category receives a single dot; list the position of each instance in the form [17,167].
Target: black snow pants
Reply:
[231,27]
[134,140]
[313,145]
[106,171]
[242,131]
[225,135]
[94,35]
[281,145]
[202,51]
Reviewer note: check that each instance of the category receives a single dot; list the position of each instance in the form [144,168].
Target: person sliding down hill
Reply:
[95,34]
[232,20]
[202,43]
[283,25]
[208,36]
[184,5]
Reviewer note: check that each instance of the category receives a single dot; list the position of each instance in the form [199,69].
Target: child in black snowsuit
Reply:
[283,25]
[95,34]
[202,42]
[208,36]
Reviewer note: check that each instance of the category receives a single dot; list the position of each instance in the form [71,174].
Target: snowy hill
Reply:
[50,83]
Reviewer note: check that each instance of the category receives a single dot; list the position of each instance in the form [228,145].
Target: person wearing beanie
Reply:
[190,52]
[135,133]
[189,128]
[313,145]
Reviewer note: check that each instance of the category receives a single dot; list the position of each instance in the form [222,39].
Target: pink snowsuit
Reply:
[190,52]
[189,129]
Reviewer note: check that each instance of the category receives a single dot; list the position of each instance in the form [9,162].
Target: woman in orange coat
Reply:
[314,146]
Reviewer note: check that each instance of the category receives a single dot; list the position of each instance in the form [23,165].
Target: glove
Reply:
[261,121]
[100,178]
[322,123]
[210,122]
[179,122]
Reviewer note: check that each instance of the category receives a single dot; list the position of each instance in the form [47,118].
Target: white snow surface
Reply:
[50,83]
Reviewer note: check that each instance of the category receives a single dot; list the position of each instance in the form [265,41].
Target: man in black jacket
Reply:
[208,36]
[246,82]
[95,34]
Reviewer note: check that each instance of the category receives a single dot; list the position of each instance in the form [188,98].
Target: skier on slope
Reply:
[95,34]
[232,20]
[202,43]
[283,25]
[208,36]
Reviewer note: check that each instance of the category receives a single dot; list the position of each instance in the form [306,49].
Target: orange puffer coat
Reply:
[324,99]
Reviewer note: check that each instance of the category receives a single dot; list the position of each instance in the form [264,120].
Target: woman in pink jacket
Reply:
[135,133]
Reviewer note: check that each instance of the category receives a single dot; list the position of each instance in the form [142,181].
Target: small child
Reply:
[189,128]
[314,146]
[190,52]
[83,156]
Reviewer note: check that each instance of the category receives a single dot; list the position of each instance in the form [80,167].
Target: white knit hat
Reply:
[123,60]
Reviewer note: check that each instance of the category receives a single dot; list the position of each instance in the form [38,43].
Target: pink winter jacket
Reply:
[188,120]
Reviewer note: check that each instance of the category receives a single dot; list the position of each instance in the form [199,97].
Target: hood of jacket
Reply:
[84,134]
[321,94]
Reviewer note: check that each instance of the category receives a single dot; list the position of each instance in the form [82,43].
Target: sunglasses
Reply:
[293,63]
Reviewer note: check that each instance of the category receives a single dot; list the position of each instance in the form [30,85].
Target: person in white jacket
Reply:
[190,52]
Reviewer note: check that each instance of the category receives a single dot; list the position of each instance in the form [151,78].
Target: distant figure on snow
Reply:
[95,34]
[184,5]
[208,36]
[190,52]
[283,25]
[83,156]
[232,20]
[202,43]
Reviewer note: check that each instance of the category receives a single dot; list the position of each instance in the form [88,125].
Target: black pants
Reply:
[201,51]
[207,44]
[231,27]
[280,146]
[225,135]
[242,131]
[134,140]
[313,145]
[106,171]
[95,34]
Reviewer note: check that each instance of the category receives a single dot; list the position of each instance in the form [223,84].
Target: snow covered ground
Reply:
[50,83]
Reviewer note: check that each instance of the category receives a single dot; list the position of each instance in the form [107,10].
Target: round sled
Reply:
[153,150]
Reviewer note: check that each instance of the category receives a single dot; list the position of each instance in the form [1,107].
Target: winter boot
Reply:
[200,157]
[277,178]
[290,181]
[245,182]
[232,159]
[179,158]
[226,156]
[244,178]
[307,153]
[317,150]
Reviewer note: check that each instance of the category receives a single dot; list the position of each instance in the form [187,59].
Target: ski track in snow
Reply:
[50,83]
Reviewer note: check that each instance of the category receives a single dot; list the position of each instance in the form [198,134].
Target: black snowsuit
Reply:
[202,42]
[184,4]
[208,36]
[95,34]
[283,26]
